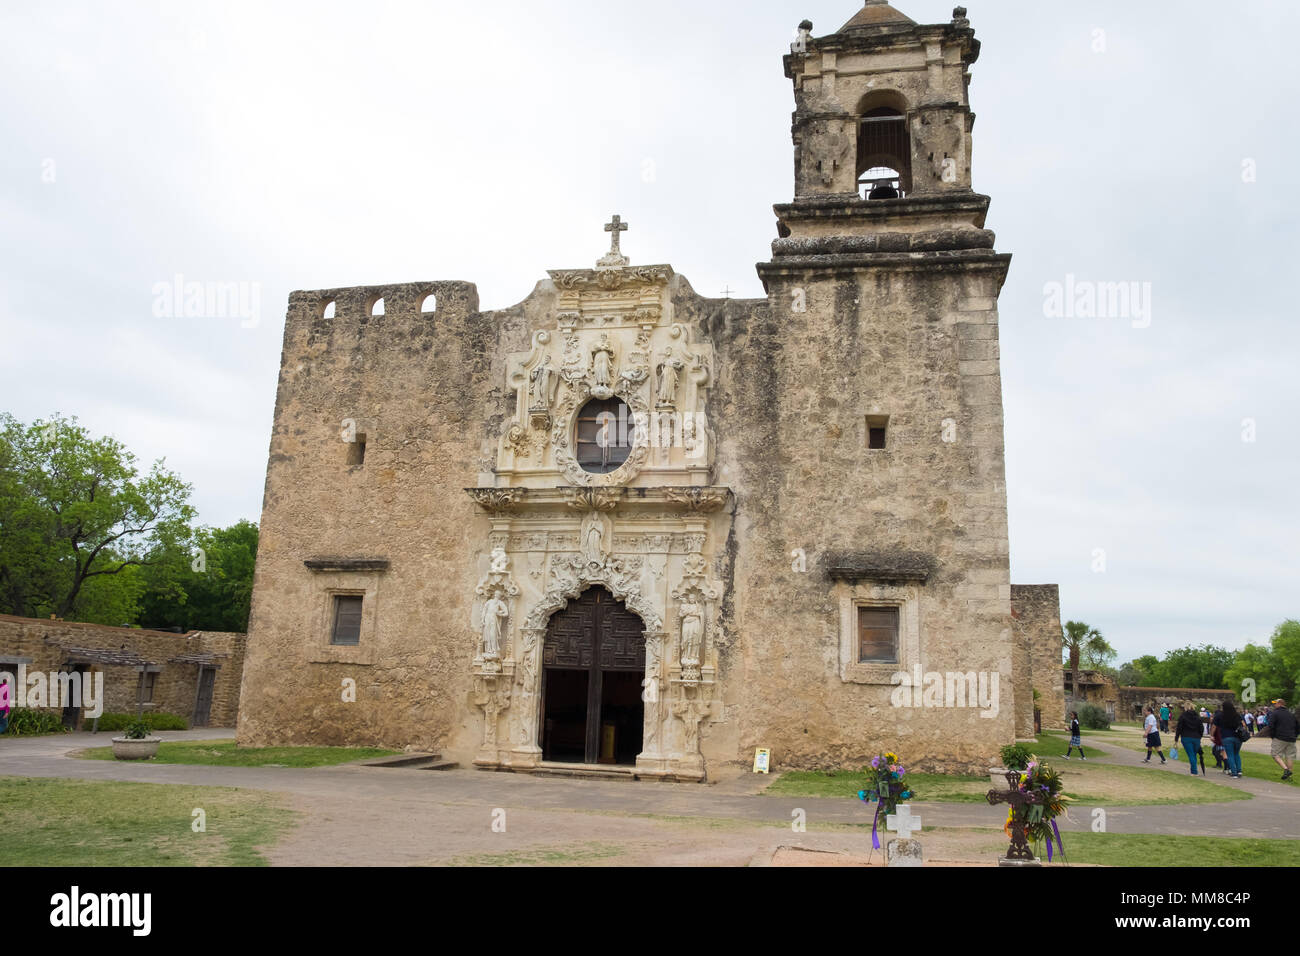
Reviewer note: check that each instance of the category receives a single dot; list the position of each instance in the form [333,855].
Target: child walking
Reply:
[1074,736]
[1152,728]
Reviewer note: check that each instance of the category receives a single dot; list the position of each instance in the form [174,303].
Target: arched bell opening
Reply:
[884,166]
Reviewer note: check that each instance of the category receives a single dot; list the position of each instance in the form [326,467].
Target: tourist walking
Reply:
[1233,730]
[1074,736]
[1152,729]
[1249,719]
[1216,742]
[4,704]
[1164,717]
[1284,726]
[1189,731]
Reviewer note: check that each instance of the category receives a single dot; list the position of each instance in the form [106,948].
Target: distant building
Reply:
[196,676]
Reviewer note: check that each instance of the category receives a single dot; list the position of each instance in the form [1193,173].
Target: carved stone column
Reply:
[525,751]
[491,693]
[691,704]
[651,757]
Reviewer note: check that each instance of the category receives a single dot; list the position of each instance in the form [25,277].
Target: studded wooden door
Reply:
[598,638]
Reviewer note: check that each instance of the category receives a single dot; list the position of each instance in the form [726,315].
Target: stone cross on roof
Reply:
[615,259]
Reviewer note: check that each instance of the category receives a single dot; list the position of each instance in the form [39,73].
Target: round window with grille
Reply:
[605,435]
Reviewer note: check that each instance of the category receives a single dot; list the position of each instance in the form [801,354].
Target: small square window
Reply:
[877,635]
[357,451]
[347,621]
[148,681]
[877,432]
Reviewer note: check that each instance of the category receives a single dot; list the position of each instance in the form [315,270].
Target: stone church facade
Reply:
[626,526]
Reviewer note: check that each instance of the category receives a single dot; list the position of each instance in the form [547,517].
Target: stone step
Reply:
[589,771]
[416,761]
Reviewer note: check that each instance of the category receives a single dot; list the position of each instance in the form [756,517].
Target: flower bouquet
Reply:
[885,788]
[1040,817]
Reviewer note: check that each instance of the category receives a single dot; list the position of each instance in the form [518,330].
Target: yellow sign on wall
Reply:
[762,760]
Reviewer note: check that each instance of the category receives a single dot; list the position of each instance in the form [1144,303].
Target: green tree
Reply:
[1079,639]
[1269,672]
[1136,673]
[1202,667]
[207,588]
[76,516]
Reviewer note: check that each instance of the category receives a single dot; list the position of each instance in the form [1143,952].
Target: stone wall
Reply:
[42,646]
[1133,699]
[1037,612]
[789,415]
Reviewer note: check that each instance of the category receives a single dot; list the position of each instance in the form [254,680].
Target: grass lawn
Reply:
[224,753]
[932,787]
[1117,849]
[1087,783]
[54,822]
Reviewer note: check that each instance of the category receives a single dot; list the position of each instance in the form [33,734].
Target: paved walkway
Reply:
[363,815]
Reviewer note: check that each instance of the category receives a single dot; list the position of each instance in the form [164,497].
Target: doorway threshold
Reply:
[592,771]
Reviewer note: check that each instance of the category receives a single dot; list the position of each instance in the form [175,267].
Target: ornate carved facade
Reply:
[647,531]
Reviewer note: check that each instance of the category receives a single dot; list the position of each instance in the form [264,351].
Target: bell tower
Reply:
[883,95]
[881,375]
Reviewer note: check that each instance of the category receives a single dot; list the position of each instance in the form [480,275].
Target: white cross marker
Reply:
[903,823]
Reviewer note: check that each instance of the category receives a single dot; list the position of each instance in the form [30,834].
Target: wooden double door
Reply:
[593,665]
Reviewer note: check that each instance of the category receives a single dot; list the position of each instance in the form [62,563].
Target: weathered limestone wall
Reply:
[40,644]
[427,391]
[1037,611]
[790,409]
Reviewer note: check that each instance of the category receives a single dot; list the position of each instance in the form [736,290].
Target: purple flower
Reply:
[875,763]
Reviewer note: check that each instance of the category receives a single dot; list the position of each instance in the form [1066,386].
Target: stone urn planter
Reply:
[124,748]
[998,777]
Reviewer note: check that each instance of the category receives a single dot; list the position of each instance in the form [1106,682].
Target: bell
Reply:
[883,191]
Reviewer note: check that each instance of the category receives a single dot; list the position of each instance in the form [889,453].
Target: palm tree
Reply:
[1078,638]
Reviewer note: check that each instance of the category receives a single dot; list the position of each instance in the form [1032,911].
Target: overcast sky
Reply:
[302,146]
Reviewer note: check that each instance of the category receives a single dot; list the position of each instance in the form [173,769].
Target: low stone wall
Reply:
[43,646]
[1133,699]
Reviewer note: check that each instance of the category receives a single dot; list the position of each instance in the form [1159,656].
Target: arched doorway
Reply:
[593,665]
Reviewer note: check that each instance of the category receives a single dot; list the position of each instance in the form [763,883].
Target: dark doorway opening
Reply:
[593,668]
[203,696]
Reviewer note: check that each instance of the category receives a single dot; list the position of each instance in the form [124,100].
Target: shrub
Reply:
[1093,717]
[158,721]
[1016,756]
[28,722]
[136,730]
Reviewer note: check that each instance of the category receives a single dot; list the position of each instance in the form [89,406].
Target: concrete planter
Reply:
[126,749]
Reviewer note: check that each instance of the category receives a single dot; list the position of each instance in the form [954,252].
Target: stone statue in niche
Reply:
[670,371]
[595,538]
[543,381]
[495,612]
[602,368]
[691,612]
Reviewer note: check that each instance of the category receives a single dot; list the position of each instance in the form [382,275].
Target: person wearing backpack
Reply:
[1189,732]
[1234,732]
